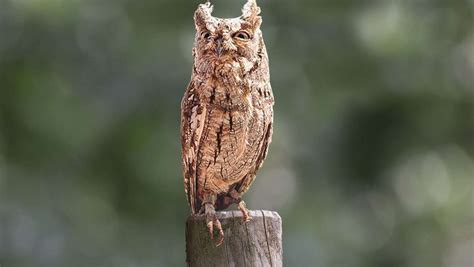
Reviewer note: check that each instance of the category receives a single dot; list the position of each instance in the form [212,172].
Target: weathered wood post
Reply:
[256,243]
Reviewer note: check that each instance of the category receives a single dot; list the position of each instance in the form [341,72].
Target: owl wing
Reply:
[193,117]
[247,181]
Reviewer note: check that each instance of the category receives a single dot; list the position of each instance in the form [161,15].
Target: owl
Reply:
[226,113]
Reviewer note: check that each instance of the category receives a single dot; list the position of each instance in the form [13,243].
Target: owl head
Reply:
[221,40]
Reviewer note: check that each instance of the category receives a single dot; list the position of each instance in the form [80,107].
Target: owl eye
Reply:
[205,35]
[243,35]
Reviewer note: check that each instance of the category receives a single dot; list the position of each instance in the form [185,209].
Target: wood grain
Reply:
[256,243]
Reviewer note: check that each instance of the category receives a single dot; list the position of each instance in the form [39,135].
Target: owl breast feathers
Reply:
[226,111]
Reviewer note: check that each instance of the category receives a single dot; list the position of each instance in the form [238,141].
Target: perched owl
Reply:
[226,112]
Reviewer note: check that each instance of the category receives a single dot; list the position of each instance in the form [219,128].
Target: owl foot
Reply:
[245,212]
[241,204]
[211,222]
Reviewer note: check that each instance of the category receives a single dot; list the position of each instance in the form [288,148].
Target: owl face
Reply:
[227,40]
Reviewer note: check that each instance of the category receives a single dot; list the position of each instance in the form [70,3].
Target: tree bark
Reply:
[255,243]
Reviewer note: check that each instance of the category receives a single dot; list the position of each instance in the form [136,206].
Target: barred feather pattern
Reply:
[227,109]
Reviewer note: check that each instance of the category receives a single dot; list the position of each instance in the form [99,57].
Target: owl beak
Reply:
[219,47]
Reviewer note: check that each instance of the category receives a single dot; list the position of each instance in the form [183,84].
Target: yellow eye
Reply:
[205,35]
[242,35]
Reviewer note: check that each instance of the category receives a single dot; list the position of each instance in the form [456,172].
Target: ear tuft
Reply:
[203,16]
[250,13]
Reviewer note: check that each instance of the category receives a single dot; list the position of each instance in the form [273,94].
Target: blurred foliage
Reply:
[372,162]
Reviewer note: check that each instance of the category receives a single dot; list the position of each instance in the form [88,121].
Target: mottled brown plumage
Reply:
[226,112]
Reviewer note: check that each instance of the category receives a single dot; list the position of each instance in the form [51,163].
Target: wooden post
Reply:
[256,243]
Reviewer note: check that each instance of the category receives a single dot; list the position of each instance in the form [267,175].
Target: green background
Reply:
[372,160]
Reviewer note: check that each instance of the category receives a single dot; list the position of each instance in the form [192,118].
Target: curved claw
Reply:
[245,212]
[211,222]
[220,239]
[247,219]
[210,228]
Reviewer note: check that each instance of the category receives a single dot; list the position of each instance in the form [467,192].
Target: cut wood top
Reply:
[255,243]
[233,214]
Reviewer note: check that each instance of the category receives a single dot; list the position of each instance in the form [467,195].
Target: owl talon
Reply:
[210,228]
[213,223]
[245,212]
